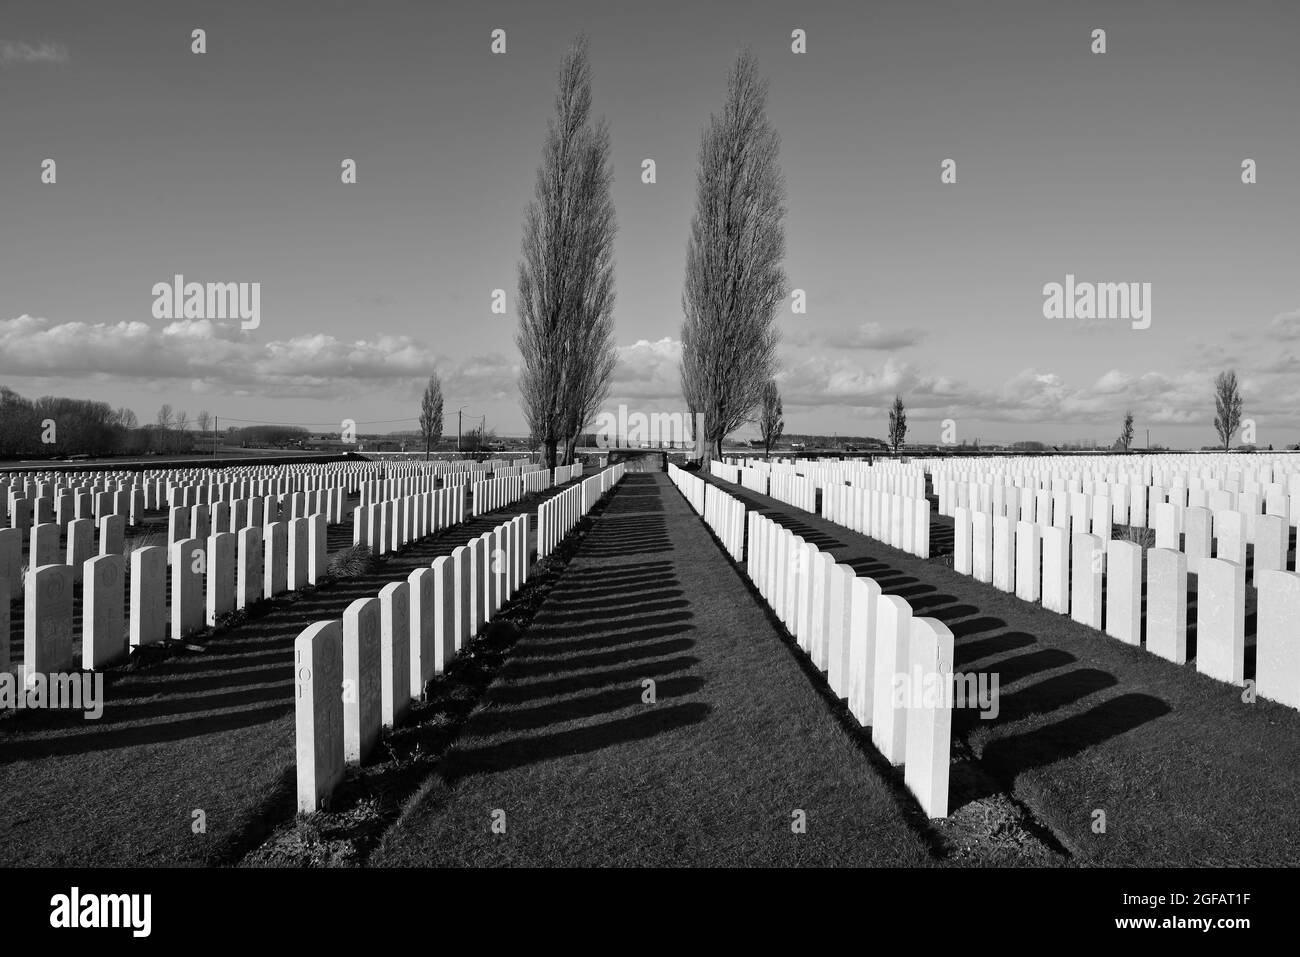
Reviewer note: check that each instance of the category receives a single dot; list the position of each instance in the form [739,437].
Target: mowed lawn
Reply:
[194,737]
[1184,772]
[737,746]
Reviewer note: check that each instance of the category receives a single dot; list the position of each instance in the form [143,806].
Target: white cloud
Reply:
[866,335]
[214,356]
[12,51]
[648,370]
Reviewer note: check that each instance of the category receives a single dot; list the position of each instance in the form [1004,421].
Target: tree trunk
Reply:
[548,455]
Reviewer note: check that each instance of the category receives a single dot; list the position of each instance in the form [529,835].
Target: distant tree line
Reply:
[54,426]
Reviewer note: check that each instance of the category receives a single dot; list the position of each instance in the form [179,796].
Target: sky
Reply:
[225,167]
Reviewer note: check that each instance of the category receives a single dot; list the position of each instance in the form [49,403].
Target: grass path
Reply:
[587,773]
[1186,773]
[186,732]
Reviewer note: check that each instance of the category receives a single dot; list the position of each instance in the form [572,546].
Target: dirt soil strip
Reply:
[567,752]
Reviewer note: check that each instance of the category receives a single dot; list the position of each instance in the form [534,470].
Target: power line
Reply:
[330,425]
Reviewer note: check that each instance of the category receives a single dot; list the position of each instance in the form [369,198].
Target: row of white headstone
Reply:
[566,473]
[181,487]
[595,487]
[1139,506]
[725,514]
[398,481]
[200,521]
[560,514]
[900,478]
[386,526]
[1225,534]
[868,644]
[900,521]
[536,479]
[691,486]
[208,579]
[491,494]
[793,489]
[360,673]
[1071,572]
[1255,484]
[46,545]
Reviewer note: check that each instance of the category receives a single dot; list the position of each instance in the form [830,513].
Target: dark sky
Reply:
[1122,167]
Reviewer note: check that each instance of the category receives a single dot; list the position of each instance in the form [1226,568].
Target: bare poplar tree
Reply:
[770,423]
[566,278]
[734,281]
[431,413]
[897,423]
[165,417]
[1126,436]
[1227,407]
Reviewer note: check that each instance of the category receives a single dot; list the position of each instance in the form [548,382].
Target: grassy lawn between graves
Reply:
[1186,773]
[193,758]
[584,771]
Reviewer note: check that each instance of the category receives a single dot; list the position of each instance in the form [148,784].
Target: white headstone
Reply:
[444,621]
[103,626]
[362,681]
[889,716]
[148,622]
[1124,591]
[395,652]
[1004,554]
[1056,569]
[318,712]
[47,621]
[222,548]
[275,559]
[864,595]
[1277,636]
[1086,567]
[188,561]
[1029,549]
[1197,526]
[929,721]
[1166,618]
[1221,620]
[838,633]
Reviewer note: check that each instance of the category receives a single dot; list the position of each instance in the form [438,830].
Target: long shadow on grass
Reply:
[534,749]
[258,672]
[979,637]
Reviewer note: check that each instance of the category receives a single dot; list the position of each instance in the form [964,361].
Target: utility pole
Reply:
[214,438]
[458,417]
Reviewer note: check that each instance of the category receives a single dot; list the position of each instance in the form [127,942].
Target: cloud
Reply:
[1285,325]
[866,335]
[1031,397]
[12,51]
[648,370]
[212,355]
